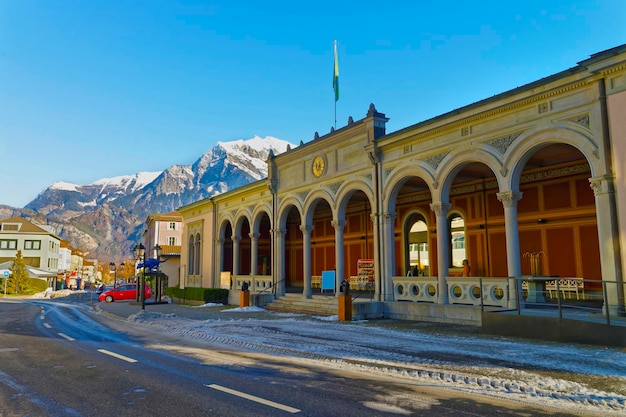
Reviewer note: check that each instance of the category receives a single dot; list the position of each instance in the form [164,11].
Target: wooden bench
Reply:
[316,281]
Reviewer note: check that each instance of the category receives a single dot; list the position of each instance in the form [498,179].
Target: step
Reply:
[297,303]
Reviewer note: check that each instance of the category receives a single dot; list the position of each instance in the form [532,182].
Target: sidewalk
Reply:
[125,309]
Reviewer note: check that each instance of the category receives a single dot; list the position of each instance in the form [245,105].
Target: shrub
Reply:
[208,295]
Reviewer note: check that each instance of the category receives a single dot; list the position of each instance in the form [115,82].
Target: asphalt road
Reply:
[60,358]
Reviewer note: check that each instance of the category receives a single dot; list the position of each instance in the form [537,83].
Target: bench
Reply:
[316,281]
[569,285]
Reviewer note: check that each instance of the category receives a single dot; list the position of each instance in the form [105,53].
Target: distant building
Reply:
[166,231]
[39,245]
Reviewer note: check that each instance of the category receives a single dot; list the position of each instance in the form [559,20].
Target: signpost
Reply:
[6,278]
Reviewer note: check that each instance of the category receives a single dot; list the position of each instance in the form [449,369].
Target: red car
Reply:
[123,292]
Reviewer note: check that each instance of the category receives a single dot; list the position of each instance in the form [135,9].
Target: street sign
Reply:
[6,274]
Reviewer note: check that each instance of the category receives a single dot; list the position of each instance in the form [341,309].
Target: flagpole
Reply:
[335,79]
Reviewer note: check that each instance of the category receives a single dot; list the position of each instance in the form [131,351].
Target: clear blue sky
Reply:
[96,89]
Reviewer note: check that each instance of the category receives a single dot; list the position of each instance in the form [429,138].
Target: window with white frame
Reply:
[9,244]
[32,244]
[172,240]
[171,226]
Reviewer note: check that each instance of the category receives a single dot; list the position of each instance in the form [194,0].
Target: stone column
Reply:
[509,200]
[378,261]
[306,230]
[608,238]
[254,253]
[339,225]
[219,259]
[236,240]
[443,251]
[386,283]
[278,269]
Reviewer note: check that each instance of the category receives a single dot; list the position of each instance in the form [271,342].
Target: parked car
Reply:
[124,292]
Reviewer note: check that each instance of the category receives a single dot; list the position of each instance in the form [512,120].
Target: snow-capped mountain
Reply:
[105,217]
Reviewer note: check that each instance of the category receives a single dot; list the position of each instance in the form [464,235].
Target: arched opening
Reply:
[417,262]
[227,249]
[557,216]
[293,250]
[264,248]
[456,226]
[476,229]
[413,241]
[245,247]
[322,239]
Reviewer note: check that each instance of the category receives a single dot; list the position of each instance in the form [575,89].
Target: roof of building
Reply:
[172,216]
[20,225]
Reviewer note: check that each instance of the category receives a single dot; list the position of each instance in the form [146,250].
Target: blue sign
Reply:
[6,274]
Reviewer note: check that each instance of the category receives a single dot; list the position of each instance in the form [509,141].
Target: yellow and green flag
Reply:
[336,75]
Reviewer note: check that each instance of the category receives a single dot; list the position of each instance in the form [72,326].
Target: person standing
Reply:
[466,268]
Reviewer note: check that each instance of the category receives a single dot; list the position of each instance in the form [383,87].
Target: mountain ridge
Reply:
[105,218]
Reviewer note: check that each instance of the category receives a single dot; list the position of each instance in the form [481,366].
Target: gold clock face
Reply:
[319,166]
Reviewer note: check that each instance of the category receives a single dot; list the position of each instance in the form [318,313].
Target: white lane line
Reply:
[71,339]
[46,325]
[8,350]
[117,355]
[254,398]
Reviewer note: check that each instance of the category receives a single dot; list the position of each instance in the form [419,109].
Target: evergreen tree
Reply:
[18,280]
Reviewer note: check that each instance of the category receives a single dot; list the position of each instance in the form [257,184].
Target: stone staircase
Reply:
[325,305]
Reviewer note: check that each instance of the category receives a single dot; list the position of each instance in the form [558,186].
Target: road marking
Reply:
[254,398]
[117,355]
[71,339]
[8,350]
[47,326]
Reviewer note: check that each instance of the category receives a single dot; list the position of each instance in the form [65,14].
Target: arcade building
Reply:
[526,183]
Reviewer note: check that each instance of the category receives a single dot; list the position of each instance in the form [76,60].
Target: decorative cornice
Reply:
[335,187]
[302,195]
[502,144]
[473,119]
[509,198]
[435,160]
[555,173]
[440,209]
[582,120]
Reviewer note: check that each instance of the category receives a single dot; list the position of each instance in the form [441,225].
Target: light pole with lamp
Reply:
[113,269]
[139,252]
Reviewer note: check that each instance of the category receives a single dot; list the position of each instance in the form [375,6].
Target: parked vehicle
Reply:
[123,292]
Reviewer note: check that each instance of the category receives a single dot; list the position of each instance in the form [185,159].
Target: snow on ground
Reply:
[579,378]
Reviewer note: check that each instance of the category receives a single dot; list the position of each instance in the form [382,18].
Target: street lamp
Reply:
[139,252]
[158,251]
[113,270]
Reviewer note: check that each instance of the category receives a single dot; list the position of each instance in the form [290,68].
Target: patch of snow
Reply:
[250,309]
[209,305]
[578,378]
[64,186]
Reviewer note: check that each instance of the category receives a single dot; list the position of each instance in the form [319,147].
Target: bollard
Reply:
[345,302]
[244,296]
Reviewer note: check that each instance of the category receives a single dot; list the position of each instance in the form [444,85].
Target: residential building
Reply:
[165,230]
[39,245]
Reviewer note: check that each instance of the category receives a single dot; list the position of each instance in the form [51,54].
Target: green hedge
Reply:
[198,294]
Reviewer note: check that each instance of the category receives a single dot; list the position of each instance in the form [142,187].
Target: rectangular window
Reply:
[9,244]
[171,226]
[32,244]
[10,227]
[172,240]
